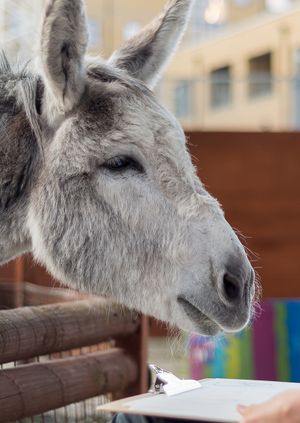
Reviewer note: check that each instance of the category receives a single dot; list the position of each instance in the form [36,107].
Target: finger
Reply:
[245,410]
[242,409]
[260,414]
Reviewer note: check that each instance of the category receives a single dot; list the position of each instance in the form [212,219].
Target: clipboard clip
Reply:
[167,383]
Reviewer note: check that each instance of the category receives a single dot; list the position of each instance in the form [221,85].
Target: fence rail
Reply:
[28,294]
[65,353]
[33,331]
[36,388]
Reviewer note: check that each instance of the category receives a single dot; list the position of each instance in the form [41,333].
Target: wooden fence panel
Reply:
[256,177]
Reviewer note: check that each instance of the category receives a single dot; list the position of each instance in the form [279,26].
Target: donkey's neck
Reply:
[18,154]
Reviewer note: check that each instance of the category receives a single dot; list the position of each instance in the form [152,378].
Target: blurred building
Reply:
[238,10]
[19,27]
[245,77]
[113,21]
[110,22]
[238,68]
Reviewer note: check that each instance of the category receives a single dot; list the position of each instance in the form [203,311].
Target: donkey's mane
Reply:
[21,87]
[5,68]
[105,73]
[14,73]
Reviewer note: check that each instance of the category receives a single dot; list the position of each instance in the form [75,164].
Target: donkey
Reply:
[97,182]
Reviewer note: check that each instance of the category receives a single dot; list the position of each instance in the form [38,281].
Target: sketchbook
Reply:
[215,401]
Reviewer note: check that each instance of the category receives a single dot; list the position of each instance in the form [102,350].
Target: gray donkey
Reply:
[96,180]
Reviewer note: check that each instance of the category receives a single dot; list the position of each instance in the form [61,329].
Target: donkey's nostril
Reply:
[231,288]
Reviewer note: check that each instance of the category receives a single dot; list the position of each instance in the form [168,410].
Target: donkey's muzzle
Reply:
[228,306]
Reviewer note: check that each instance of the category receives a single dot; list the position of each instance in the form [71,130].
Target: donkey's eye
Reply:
[122,163]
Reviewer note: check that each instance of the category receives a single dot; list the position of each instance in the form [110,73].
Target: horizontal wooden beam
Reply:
[31,295]
[34,331]
[35,295]
[34,389]
[8,294]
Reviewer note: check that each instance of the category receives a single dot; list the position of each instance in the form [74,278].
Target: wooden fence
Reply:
[85,348]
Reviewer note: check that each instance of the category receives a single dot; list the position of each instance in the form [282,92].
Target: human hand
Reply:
[283,408]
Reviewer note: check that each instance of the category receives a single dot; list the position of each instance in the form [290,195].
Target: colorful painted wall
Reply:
[268,350]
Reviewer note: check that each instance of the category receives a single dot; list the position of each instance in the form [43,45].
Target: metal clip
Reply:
[167,383]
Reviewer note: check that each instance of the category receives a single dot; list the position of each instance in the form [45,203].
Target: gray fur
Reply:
[62,49]
[149,236]
[146,54]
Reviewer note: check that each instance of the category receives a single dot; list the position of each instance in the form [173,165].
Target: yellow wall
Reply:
[113,15]
[235,13]
[280,35]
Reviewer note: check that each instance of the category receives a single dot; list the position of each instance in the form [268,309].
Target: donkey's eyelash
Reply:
[122,163]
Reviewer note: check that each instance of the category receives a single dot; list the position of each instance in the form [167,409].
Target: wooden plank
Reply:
[38,275]
[8,295]
[35,295]
[32,331]
[7,272]
[136,345]
[19,278]
[28,294]
[36,388]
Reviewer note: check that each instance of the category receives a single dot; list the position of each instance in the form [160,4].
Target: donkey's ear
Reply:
[63,46]
[145,55]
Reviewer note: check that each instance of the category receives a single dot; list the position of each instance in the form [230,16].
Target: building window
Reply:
[183,99]
[260,75]
[220,87]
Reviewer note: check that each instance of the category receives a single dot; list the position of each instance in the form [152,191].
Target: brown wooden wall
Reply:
[24,269]
[256,177]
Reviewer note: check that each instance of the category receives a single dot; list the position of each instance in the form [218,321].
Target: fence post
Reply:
[136,346]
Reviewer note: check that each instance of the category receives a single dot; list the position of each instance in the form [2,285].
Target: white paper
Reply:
[216,401]
[181,386]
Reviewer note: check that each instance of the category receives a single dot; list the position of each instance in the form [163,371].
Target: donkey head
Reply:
[116,208]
